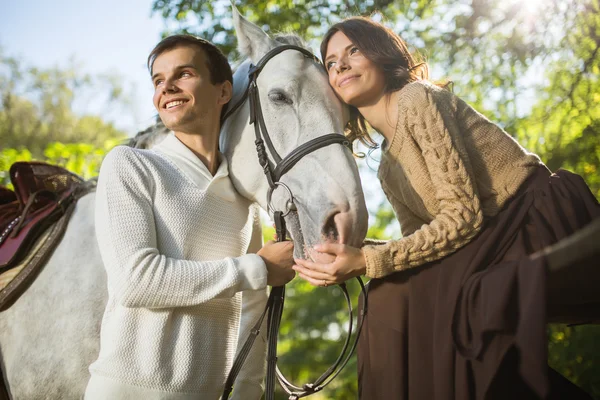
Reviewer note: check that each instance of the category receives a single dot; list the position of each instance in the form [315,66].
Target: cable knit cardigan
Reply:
[446,169]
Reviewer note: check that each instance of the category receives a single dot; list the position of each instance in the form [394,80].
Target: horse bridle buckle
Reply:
[289,205]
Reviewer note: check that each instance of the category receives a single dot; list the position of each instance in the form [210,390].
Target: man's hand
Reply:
[279,259]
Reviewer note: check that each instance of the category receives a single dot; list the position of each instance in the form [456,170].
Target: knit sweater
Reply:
[446,169]
[173,239]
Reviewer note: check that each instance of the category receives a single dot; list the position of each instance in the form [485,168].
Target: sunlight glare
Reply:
[531,7]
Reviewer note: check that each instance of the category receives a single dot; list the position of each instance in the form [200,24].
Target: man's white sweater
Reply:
[173,240]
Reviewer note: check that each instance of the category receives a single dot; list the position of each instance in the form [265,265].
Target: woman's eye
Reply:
[353,50]
[279,97]
[329,65]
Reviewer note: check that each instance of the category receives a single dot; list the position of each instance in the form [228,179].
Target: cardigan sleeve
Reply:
[138,274]
[460,216]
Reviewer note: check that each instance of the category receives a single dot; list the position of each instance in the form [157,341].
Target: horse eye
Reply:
[277,96]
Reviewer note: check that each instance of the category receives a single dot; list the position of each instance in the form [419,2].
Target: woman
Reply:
[456,309]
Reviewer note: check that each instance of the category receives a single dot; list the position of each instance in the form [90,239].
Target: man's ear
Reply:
[226,92]
[253,42]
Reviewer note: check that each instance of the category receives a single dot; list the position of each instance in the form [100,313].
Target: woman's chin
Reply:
[349,100]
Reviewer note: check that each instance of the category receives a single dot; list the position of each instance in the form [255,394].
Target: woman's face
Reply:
[353,77]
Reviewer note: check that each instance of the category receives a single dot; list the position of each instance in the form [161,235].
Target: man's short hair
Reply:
[218,66]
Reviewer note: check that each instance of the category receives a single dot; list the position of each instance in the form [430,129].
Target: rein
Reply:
[274,170]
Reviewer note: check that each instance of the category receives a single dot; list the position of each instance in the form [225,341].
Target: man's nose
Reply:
[169,86]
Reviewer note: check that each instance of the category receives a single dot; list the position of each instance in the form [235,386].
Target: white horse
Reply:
[50,335]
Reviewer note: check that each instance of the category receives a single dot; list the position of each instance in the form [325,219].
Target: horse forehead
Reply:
[292,64]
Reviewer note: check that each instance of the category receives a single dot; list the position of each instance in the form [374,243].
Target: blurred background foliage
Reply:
[37,106]
[533,67]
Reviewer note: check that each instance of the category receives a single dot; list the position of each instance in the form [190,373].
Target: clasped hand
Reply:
[349,262]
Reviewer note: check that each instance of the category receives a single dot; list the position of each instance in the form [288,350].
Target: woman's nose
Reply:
[342,64]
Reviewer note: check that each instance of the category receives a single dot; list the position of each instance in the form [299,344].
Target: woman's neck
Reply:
[383,114]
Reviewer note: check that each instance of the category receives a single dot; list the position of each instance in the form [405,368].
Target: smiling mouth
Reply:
[347,80]
[174,103]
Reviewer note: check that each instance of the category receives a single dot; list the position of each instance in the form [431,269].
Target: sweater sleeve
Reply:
[460,216]
[249,383]
[138,275]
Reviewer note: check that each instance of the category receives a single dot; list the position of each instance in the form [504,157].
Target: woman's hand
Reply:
[349,262]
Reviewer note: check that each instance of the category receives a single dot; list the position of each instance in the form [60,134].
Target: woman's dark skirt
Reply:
[473,325]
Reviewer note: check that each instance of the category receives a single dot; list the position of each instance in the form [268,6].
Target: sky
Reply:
[107,36]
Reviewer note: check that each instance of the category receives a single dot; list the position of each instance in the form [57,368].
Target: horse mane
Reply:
[145,139]
[291,38]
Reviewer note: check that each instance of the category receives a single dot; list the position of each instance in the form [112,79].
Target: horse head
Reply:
[297,106]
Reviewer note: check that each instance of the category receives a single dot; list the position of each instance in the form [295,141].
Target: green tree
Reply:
[36,106]
[81,158]
[566,118]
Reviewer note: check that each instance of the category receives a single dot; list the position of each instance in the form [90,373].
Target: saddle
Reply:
[43,195]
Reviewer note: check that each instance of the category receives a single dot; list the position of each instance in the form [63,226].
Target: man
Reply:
[173,234]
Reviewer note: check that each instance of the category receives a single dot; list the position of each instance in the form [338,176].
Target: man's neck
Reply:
[205,147]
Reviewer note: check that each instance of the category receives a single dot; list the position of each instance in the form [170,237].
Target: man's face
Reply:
[184,96]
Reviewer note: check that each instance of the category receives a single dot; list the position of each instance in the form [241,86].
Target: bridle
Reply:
[274,169]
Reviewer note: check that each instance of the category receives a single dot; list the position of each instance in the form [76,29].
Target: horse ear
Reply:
[253,42]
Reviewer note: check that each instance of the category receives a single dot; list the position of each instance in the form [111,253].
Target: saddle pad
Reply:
[9,275]
[15,281]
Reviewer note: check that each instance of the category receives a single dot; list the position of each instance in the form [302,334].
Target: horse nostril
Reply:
[330,231]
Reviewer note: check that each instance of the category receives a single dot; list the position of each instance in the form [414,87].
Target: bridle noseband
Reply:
[274,170]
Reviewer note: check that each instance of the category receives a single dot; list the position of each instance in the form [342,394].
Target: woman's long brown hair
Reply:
[384,48]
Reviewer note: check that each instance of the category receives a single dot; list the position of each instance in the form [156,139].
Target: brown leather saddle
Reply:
[33,217]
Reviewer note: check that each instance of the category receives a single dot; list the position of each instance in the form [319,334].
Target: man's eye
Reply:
[158,82]
[186,73]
